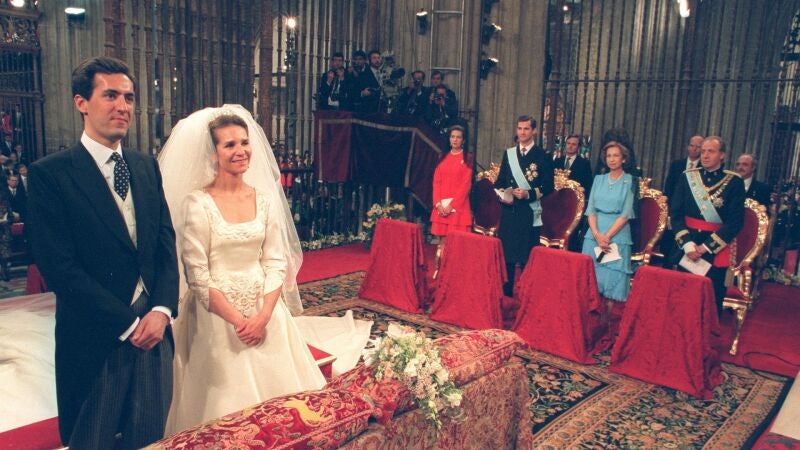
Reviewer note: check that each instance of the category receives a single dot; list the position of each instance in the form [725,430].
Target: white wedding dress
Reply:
[215,373]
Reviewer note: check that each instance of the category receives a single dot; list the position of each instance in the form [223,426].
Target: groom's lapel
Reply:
[142,198]
[91,182]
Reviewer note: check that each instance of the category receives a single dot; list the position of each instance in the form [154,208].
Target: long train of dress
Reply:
[27,368]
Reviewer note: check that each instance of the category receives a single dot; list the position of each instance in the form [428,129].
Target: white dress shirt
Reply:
[747,183]
[102,157]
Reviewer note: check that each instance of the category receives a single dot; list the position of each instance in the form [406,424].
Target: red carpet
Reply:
[330,262]
[36,436]
[770,338]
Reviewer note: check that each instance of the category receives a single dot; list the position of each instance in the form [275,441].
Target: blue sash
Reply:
[700,196]
[522,182]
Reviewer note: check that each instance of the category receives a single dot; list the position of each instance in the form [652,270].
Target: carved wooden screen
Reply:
[642,66]
[187,55]
[20,79]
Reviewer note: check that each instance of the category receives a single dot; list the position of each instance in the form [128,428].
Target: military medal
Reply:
[717,202]
[531,173]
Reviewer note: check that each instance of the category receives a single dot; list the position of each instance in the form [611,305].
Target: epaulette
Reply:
[731,172]
[691,170]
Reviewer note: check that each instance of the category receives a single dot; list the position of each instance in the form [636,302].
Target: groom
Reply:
[102,237]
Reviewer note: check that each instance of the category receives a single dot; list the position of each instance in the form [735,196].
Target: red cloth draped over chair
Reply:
[486,213]
[396,273]
[560,308]
[667,331]
[471,277]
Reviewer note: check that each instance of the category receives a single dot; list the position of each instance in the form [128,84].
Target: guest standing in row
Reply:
[452,181]
[609,209]
[707,212]
[528,172]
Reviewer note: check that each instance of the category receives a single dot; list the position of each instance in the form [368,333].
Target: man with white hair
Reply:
[746,166]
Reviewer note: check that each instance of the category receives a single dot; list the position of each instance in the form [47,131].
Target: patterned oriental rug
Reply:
[580,406]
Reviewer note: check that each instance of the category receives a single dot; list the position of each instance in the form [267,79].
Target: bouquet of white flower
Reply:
[411,358]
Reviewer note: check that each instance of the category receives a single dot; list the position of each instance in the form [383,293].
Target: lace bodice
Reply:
[238,259]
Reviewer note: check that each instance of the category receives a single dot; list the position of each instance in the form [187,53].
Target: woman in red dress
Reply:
[451,186]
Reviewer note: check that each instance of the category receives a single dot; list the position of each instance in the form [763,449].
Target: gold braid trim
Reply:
[720,243]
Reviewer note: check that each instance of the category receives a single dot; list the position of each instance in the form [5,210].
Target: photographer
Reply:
[414,99]
[331,82]
[351,86]
[369,84]
[437,79]
[332,94]
[439,116]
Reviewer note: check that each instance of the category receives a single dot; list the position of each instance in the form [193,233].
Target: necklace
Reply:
[453,152]
[612,182]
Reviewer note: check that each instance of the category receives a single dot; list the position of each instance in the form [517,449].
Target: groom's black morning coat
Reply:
[82,248]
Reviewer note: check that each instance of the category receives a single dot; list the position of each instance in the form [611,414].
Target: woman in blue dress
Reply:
[610,208]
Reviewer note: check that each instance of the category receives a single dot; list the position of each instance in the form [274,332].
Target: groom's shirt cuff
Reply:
[163,309]
[124,336]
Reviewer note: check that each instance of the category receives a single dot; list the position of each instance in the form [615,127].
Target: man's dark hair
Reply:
[527,118]
[374,52]
[416,72]
[573,136]
[442,86]
[83,75]
[360,53]
[437,72]
[224,121]
[337,55]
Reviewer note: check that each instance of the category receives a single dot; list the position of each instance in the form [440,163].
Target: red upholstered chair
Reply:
[561,211]
[652,222]
[741,295]
[486,212]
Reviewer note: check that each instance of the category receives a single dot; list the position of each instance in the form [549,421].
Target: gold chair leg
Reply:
[437,261]
[741,312]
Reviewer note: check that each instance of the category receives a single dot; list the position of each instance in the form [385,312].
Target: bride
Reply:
[237,343]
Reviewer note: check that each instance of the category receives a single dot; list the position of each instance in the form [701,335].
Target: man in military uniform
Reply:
[527,174]
[707,213]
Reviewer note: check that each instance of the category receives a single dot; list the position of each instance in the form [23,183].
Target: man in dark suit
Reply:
[354,72]
[746,167]
[102,238]
[327,84]
[707,213]
[368,95]
[674,176]
[677,167]
[7,147]
[580,169]
[527,171]
[17,196]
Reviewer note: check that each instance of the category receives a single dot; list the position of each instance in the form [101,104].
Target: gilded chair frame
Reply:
[562,181]
[491,174]
[645,191]
[743,272]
